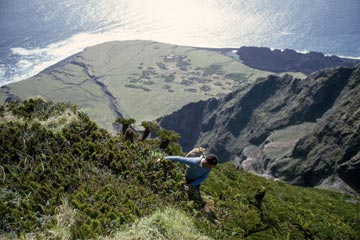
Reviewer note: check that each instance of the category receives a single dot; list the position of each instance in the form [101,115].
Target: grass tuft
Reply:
[168,223]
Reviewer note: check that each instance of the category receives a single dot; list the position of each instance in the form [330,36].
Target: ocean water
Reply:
[35,34]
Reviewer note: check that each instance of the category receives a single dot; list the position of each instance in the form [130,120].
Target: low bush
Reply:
[80,182]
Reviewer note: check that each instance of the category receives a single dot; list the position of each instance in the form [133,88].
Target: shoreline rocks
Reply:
[288,60]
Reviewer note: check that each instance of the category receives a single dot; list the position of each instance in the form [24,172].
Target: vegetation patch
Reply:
[137,87]
[169,223]
[149,82]
[205,88]
[161,65]
[80,182]
[238,77]
[186,82]
[169,78]
[193,90]
[213,69]
[166,87]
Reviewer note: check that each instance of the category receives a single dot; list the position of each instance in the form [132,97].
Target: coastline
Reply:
[231,52]
[222,50]
[130,74]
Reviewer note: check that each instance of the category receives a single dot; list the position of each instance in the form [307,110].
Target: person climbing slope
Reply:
[198,169]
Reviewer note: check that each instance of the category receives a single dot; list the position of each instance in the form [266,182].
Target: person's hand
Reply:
[187,187]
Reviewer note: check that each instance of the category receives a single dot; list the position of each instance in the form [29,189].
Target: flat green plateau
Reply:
[143,80]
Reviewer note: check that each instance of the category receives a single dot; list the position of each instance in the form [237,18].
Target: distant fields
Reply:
[143,80]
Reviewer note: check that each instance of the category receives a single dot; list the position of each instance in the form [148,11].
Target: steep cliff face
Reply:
[289,60]
[189,119]
[333,148]
[303,131]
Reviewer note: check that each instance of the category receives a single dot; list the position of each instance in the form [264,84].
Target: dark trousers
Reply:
[194,192]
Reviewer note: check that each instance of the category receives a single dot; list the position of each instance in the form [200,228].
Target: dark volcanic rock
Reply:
[243,126]
[189,119]
[350,172]
[335,144]
[289,60]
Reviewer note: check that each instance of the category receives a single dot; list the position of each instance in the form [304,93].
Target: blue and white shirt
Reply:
[195,173]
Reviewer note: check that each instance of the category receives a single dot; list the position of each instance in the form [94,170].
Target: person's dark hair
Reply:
[211,159]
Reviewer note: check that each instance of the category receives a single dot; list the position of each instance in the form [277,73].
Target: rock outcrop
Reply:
[289,60]
[305,132]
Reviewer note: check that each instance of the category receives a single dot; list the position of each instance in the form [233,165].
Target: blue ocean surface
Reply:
[36,34]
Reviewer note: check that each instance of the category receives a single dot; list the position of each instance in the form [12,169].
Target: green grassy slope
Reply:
[73,180]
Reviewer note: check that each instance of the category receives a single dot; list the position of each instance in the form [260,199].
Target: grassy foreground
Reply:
[62,177]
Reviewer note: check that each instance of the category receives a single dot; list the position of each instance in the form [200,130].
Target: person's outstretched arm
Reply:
[186,160]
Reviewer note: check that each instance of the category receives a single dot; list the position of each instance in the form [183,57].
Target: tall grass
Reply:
[168,223]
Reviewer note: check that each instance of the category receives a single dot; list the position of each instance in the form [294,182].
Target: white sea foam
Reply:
[2,71]
[304,51]
[33,61]
[168,24]
[26,52]
[286,33]
[351,57]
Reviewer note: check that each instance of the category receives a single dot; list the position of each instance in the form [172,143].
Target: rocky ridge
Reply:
[289,60]
[305,132]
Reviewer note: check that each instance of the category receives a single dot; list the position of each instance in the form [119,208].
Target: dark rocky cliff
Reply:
[302,131]
[333,148]
[289,60]
[189,119]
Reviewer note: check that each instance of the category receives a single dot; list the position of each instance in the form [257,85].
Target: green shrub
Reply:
[111,184]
